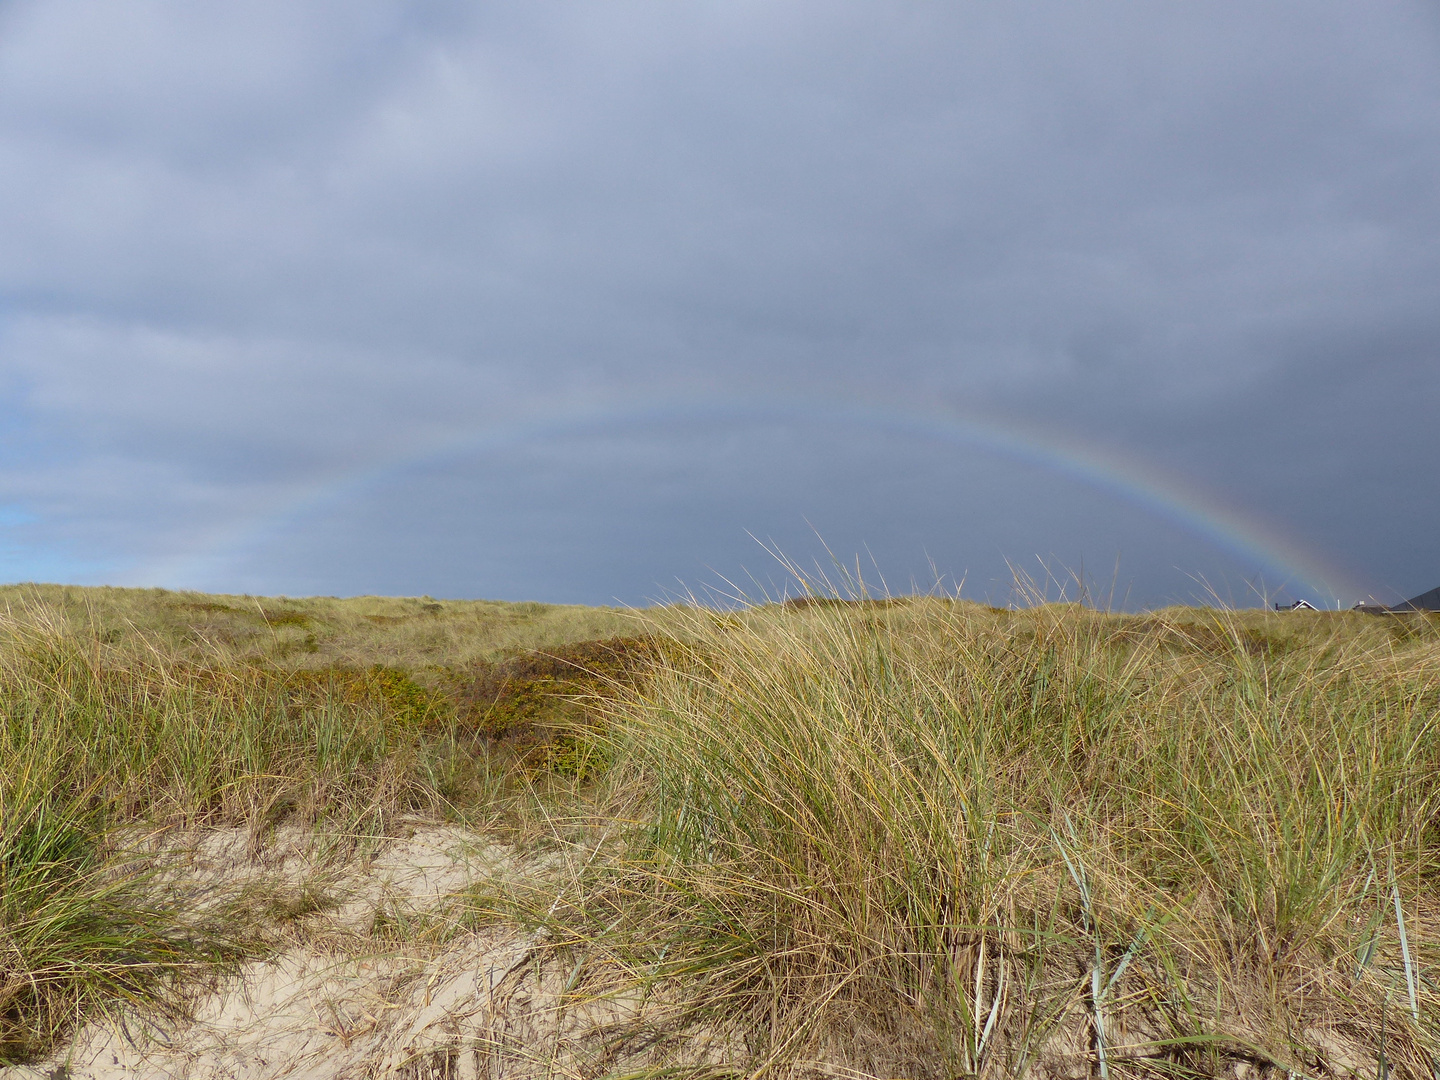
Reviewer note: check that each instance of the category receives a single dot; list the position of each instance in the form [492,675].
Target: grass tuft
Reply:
[1008,839]
[81,931]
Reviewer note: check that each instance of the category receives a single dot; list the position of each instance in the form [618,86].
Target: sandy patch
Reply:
[342,1003]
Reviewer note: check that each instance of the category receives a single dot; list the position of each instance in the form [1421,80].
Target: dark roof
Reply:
[1426,601]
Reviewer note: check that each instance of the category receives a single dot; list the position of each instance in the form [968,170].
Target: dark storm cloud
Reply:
[247,253]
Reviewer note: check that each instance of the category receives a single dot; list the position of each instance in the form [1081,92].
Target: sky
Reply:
[611,303]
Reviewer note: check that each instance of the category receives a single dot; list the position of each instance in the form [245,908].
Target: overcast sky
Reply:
[574,302]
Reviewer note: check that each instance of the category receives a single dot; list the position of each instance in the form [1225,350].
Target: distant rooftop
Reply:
[1426,601]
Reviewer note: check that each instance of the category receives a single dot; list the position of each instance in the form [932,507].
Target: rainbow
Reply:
[1185,505]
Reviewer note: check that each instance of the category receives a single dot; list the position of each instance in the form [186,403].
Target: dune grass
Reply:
[81,931]
[948,840]
[127,711]
[919,836]
[311,632]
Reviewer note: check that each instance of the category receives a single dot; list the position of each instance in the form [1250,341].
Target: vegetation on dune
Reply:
[312,632]
[80,930]
[944,840]
[125,707]
[921,836]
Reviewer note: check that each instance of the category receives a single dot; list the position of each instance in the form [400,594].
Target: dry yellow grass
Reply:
[913,837]
[933,839]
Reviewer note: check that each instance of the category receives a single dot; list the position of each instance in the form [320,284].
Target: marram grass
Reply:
[920,837]
[125,713]
[81,933]
[110,727]
[964,841]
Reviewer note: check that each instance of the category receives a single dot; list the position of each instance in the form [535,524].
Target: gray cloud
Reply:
[245,255]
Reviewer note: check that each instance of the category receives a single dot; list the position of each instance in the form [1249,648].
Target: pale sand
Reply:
[340,1002]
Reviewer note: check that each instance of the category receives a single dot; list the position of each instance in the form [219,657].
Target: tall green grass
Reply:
[81,930]
[146,736]
[97,741]
[979,842]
